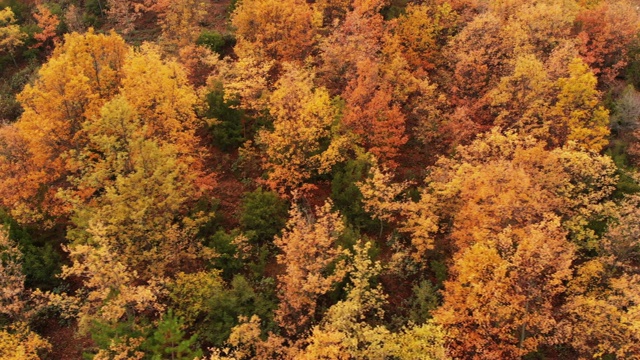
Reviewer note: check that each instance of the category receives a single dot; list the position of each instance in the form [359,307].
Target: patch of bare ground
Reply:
[229,190]
[65,343]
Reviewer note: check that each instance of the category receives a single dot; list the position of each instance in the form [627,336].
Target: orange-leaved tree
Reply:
[357,38]
[502,298]
[48,24]
[310,255]
[81,75]
[275,30]
[605,32]
[372,114]
[505,179]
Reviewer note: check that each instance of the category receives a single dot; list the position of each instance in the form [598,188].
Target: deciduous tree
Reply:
[480,58]
[17,341]
[522,100]
[580,117]
[275,30]
[124,13]
[12,295]
[546,25]
[302,143]
[81,75]
[66,131]
[501,301]
[605,32]
[143,184]
[10,35]
[501,180]
[20,343]
[48,24]
[356,39]
[422,32]
[344,332]
[373,116]
[180,22]
[111,289]
[496,182]
[601,311]
[309,249]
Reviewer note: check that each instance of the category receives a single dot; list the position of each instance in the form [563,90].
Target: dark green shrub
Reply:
[41,263]
[168,340]
[105,334]
[212,40]
[626,183]
[95,8]
[632,71]
[94,13]
[227,259]
[233,4]
[227,130]
[440,271]
[395,9]
[263,214]
[346,196]
[239,299]
[10,108]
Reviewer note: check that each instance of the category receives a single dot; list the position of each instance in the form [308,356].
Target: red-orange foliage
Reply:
[481,57]
[48,23]
[371,114]
[357,39]
[276,29]
[605,33]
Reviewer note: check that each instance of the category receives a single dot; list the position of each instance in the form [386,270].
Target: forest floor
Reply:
[65,342]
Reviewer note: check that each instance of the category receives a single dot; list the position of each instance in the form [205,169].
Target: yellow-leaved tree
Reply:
[303,142]
[556,110]
[10,35]
[345,332]
[108,143]
[111,289]
[180,22]
[601,315]
[579,115]
[144,186]
[107,133]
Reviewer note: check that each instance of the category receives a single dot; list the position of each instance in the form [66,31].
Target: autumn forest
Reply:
[319,179]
